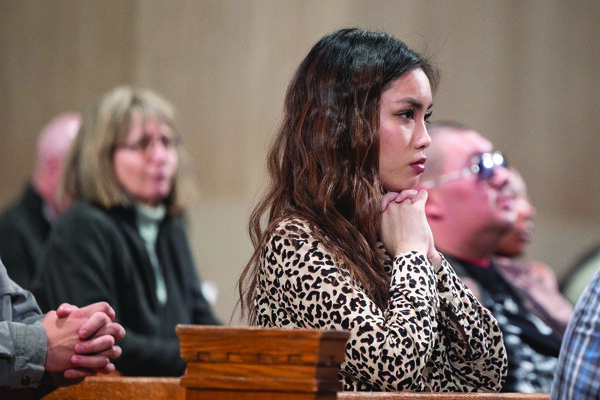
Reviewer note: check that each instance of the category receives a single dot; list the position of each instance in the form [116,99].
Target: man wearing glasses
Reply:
[469,209]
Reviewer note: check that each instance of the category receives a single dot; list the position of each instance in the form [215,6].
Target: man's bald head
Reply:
[54,141]
[438,150]
[468,215]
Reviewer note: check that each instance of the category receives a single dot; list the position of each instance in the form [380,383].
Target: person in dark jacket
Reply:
[25,224]
[123,241]
[535,280]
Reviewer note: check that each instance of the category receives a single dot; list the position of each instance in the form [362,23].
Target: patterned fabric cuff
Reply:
[31,348]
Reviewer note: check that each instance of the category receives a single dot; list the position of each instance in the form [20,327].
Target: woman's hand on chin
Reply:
[404,226]
[408,194]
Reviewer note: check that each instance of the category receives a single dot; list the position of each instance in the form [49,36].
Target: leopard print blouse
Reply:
[433,335]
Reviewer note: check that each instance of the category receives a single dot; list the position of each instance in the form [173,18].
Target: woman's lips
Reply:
[419,165]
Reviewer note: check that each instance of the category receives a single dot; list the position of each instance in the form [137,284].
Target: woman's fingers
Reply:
[397,197]
[387,199]
[421,196]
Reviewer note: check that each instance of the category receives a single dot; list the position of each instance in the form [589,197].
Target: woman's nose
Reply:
[422,140]
[157,150]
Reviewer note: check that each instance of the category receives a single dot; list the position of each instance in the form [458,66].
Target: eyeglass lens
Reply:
[486,164]
[145,143]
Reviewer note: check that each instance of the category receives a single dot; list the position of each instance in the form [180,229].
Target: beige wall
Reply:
[523,72]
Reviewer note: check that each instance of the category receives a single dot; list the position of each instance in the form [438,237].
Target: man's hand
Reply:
[81,341]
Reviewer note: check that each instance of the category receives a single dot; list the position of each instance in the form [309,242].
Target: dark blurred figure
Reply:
[580,274]
[537,281]
[25,225]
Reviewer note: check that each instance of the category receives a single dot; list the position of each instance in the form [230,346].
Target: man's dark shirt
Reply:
[532,346]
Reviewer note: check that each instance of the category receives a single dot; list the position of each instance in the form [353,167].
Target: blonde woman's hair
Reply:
[89,170]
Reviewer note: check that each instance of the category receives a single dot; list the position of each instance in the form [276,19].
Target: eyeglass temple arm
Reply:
[462,173]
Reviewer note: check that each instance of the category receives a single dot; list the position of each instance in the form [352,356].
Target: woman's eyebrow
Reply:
[413,102]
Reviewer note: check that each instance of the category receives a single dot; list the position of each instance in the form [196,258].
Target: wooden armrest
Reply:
[122,388]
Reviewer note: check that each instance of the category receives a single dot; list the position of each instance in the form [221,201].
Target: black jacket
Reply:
[95,255]
[23,232]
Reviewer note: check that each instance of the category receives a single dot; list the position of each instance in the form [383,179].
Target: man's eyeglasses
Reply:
[145,143]
[483,165]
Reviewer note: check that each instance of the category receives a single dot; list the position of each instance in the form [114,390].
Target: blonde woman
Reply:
[123,241]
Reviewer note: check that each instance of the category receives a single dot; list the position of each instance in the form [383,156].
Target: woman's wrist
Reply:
[436,260]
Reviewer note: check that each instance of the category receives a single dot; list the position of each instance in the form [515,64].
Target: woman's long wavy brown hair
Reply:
[324,161]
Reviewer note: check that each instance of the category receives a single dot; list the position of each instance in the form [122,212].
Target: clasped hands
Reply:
[404,225]
[81,341]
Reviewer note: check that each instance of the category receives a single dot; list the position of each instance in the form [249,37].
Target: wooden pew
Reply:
[227,363]
[105,388]
[257,363]
[124,388]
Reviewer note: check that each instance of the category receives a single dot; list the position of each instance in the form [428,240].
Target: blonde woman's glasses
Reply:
[146,143]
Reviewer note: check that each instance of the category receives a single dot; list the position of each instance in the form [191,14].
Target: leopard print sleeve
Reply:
[474,338]
[409,345]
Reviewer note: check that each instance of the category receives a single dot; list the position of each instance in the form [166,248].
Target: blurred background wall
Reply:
[523,72]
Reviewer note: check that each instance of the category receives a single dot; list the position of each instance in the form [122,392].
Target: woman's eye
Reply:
[428,115]
[144,143]
[407,114]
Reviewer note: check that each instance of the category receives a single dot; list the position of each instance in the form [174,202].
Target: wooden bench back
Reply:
[106,388]
[273,363]
[227,363]
[124,388]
